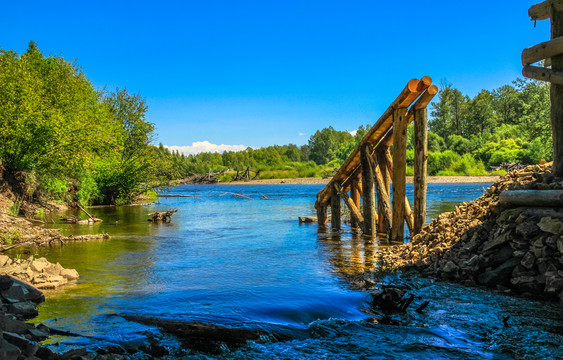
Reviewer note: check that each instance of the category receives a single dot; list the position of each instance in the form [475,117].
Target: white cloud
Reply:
[353,132]
[302,134]
[205,146]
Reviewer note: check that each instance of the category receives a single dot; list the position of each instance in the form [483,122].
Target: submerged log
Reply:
[165,216]
[200,336]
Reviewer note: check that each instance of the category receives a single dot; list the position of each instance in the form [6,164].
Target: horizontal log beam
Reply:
[542,74]
[541,51]
[532,198]
[543,10]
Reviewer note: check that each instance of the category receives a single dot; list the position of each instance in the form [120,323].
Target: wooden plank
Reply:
[335,210]
[354,210]
[368,191]
[542,11]
[532,198]
[541,51]
[355,196]
[420,168]
[412,90]
[557,98]
[399,173]
[543,74]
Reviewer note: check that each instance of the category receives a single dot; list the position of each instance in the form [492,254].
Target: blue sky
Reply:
[258,73]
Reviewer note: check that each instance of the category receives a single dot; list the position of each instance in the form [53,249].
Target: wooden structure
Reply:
[552,53]
[370,170]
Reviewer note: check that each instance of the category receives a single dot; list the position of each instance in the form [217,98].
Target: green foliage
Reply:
[11,236]
[15,208]
[56,187]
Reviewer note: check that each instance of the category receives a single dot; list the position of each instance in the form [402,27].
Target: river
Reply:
[245,259]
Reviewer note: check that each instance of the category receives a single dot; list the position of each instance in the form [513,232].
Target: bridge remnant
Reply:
[371,169]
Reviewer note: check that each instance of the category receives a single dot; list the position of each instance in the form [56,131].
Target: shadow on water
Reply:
[232,260]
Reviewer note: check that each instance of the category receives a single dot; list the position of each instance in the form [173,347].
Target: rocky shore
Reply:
[517,250]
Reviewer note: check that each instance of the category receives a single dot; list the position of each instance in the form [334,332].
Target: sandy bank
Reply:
[431,179]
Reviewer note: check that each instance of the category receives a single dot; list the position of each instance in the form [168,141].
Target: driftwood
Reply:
[174,195]
[165,216]
[73,220]
[246,175]
[59,239]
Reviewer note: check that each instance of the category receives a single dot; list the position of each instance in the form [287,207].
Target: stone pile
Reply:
[39,272]
[518,250]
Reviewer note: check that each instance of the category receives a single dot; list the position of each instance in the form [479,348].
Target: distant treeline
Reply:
[61,139]
[468,136]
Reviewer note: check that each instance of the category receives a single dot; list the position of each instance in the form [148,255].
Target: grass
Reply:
[11,236]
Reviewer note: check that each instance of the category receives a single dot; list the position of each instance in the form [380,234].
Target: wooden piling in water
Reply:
[399,173]
[355,196]
[368,191]
[420,168]
[335,210]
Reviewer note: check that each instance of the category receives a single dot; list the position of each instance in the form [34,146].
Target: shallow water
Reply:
[228,259]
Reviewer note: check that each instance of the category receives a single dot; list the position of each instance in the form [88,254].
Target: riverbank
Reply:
[324,181]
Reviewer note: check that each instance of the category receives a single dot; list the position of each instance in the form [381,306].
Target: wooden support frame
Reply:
[382,189]
[541,51]
[543,10]
[543,74]
[322,215]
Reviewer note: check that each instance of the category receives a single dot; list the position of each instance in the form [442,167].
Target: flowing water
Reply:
[245,259]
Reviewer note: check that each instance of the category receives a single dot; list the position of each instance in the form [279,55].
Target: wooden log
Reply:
[355,196]
[541,51]
[557,98]
[543,10]
[399,173]
[357,217]
[543,74]
[409,216]
[383,200]
[368,191]
[335,210]
[322,214]
[532,198]
[420,168]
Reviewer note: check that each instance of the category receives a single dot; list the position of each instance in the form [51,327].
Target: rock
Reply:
[527,229]
[39,264]
[5,282]
[69,274]
[560,245]
[75,354]
[450,267]
[551,225]
[3,260]
[15,293]
[528,260]
[27,347]
[8,351]
[500,275]
[308,219]
[53,269]
[497,241]
[7,323]
[553,284]
[525,284]
[24,309]
[474,260]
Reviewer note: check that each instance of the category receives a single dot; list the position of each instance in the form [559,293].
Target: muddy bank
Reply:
[517,250]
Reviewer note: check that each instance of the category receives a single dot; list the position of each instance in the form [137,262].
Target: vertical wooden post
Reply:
[355,196]
[409,217]
[335,211]
[368,191]
[399,173]
[382,196]
[420,167]
[557,97]
[322,215]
